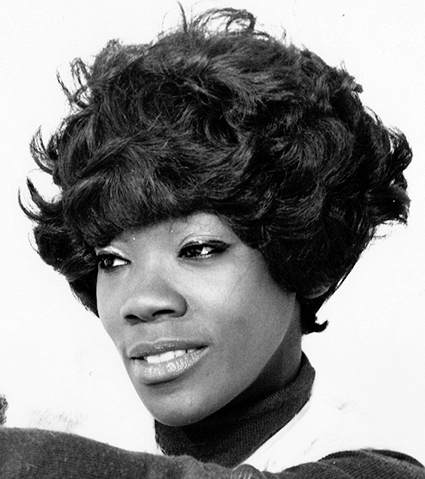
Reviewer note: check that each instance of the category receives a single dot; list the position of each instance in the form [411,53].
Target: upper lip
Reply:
[142,349]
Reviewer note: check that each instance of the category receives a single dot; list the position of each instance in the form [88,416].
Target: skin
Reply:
[192,281]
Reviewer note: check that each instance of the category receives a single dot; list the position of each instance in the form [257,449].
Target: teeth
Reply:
[168,356]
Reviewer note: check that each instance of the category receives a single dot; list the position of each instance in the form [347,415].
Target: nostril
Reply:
[164,312]
[132,319]
[151,316]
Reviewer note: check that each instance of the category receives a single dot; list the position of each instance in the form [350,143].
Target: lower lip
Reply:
[155,373]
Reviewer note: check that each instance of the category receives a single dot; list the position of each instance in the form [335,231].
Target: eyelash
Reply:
[194,250]
[106,261]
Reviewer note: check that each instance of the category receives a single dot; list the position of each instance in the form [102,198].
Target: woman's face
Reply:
[193,312]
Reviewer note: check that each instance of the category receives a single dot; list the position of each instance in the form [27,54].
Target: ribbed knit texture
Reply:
[233,433]
[37,454]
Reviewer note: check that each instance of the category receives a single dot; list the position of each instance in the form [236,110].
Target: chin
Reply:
[178,418]
[173,413]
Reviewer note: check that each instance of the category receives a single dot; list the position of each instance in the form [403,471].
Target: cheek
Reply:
[262,318]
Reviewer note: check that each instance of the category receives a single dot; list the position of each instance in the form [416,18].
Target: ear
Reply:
[319,292]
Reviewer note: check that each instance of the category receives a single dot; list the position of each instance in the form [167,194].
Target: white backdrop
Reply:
[58,368]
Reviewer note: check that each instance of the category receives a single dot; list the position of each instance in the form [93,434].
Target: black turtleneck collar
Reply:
[233,433]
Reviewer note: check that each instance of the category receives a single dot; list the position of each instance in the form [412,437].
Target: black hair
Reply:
[218,117]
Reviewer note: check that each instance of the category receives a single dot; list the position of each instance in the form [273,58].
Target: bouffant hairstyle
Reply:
[218,117]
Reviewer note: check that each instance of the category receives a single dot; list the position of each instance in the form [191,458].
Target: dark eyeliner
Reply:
[105,260]
[216,247]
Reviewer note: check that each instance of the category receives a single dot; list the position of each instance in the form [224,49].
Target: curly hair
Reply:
[218,117]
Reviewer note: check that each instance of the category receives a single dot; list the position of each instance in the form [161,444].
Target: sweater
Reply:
[259,444]
[38,454]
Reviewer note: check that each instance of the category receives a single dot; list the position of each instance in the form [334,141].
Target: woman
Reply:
[217,186]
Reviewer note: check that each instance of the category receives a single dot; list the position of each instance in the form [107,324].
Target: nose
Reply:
[151,299]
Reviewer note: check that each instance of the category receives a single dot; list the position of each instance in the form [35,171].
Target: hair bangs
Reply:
[127,190]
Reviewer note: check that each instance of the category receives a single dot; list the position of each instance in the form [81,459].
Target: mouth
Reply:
[164,361]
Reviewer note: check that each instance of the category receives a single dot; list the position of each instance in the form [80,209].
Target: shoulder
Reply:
[360,464]
[374,464]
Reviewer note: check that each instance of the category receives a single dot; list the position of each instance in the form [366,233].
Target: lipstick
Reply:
[163,361]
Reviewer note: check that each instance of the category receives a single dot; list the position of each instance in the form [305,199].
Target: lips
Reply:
[163,361]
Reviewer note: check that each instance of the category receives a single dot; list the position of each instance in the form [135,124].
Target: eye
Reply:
[202,250]
[110,261]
